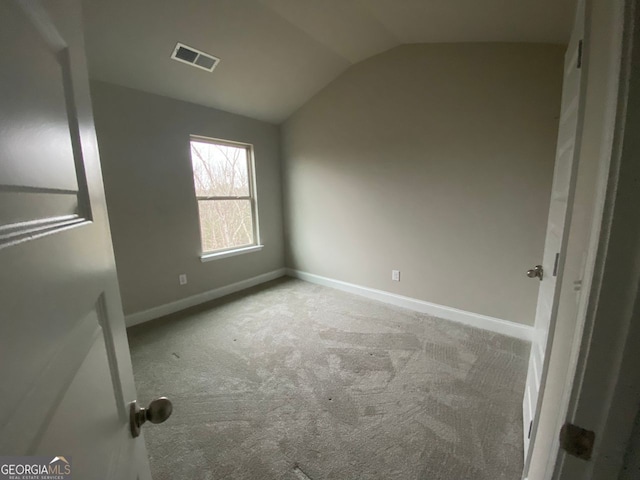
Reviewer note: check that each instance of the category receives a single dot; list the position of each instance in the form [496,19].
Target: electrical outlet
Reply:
[395,275]
[182,278]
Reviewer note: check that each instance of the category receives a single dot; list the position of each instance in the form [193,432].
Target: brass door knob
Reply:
[157,412]
[535,272]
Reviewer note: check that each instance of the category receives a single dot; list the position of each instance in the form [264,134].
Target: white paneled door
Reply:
[549,272]
[65,370]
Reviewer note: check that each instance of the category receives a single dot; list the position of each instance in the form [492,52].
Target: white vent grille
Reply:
[195,58]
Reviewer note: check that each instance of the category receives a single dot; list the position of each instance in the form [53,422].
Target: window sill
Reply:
[207,257]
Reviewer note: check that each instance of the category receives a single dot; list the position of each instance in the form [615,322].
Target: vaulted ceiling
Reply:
[276,54]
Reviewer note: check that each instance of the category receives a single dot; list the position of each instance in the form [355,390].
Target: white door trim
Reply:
[591,280]
[576,63]
[607,395]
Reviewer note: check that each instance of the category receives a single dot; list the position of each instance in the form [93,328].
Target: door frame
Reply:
[605,389]
[576,62]
[550,460]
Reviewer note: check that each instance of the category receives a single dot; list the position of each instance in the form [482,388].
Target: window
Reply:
[224,186]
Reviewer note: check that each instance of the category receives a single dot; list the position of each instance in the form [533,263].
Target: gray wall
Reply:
[144,149]
[436,160]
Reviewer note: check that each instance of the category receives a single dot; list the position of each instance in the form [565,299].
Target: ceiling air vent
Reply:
[193,57]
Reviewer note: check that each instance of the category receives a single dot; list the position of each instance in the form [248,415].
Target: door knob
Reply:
[157,412]
[536,271]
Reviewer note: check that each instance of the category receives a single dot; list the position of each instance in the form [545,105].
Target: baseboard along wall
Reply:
[504,327]
[192,301]
[484,322]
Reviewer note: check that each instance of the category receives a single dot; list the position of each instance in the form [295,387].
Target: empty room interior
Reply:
[374,150]
[346,234]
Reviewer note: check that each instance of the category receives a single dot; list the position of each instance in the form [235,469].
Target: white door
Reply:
[564,175]
[65,370]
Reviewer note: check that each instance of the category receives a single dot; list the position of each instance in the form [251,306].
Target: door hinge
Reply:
[579,63]
[577,441]
[555,265]
[530,427]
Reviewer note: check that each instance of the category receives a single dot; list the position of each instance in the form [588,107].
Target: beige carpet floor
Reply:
[296,381]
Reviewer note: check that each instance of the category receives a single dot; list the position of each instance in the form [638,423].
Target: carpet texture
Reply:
[296,381]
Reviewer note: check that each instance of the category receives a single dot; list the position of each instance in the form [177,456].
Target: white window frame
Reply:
[252,197]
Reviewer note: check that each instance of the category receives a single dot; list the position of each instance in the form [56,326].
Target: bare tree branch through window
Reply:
[226,201]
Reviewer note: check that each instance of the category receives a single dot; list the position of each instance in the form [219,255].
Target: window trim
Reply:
[206,256]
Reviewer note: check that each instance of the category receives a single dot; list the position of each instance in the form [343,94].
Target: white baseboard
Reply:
[168,308]
[497,325]
[504,327]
